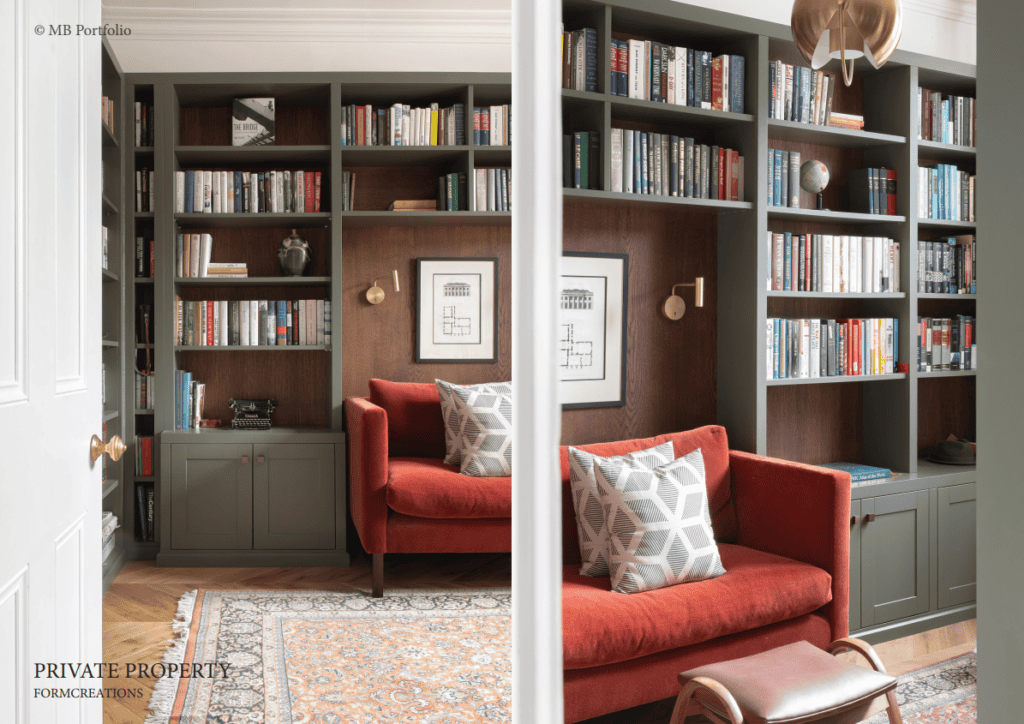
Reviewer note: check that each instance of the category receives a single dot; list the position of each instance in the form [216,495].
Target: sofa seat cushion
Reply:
[602,627]
[427,488]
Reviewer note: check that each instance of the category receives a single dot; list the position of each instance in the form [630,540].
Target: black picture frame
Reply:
[488,338]
[620,400]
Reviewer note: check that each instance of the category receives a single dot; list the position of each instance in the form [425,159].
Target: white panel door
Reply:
[50,329]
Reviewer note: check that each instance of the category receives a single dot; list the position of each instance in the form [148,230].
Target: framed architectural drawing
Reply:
[592,329]
[457,311]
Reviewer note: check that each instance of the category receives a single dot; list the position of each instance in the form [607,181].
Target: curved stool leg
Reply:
[708,697]
[864,649]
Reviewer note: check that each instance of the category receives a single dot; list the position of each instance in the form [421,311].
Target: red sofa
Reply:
[784,536]
[402,497]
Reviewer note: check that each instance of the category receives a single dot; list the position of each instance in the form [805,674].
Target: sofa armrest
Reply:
[368,471]
[800,512]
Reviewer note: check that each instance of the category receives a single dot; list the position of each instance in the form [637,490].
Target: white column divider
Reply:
[536,261]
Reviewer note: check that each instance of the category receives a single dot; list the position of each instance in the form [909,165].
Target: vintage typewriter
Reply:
[252,414]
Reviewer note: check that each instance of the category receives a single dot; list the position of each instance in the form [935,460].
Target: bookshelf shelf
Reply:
[145,412]
[426,218]
[949,373]
[143,280]
[945,152]
[110,486]
[837,379]
[144,478]
[109,276]
[837,295]
[109,206]
[709,204]
[839,217]
[144,214]
[189,155]
[143,150]
[946,224]
[253,348]
[830,135]
[242,221]
[639,110]
[253,282]
[109,139]
[109,415]
[111,343]
[142,345]
[933,295]
[355,156]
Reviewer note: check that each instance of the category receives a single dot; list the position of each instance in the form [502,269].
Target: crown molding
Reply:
[961,11]
[439,26]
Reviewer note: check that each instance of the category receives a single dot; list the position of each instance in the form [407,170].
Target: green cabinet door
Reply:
[293,497]
[894,557]
[211,496]
[958,571]
[856,521]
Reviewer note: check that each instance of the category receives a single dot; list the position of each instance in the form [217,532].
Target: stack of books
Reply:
[832,263]
[945,192]
[806,348]
[189,398]
[947,344]
[947,265]
[946,118]
[846,120]
[413,205]
[110,525]
[662,165]
[401,125]
[226,270]
[245,192]
[800,94]
[252,322]
[492,189]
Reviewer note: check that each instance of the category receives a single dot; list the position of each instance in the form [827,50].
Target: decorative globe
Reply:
[813,177]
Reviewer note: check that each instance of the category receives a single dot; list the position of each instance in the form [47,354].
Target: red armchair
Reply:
[402,497]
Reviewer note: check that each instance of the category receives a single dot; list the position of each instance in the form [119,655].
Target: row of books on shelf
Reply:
[832,263]
[106,247]
[492,125]
[945,193]
[247,192]
[145,126]
[108,113]
[810,348]
[252,323]
[800,94]
[947,265]
[946,118]
[189,400]
[109,527]
[493,189]
[145,195]
[145,501]
[947,344]
[145,258]
[144,455]
[663,165]
[348,190]
[402,125]
[145,390]
[192,256]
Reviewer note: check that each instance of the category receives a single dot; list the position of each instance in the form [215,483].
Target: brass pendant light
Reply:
[846,29]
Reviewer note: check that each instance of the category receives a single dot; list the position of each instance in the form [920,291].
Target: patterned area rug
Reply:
[297,657]
[942,694]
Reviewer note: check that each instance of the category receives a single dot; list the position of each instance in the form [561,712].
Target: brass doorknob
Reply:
[115,448]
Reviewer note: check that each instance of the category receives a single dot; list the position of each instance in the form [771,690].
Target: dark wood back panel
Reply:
[293,125]
[814,424]
[379,340]
[946,405]
[671,366]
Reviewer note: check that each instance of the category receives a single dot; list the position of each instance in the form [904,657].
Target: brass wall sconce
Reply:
[375,295]
[674,307]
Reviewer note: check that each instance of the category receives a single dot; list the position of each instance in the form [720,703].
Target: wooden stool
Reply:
[795,684]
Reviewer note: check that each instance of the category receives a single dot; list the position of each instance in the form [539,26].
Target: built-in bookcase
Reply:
[711,366]
[114,404]
[192,113]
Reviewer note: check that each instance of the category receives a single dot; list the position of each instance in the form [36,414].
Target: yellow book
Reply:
[433,127]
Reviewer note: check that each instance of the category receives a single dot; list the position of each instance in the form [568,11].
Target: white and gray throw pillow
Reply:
[659,523]
[452,431]
[485,440]
[591,525]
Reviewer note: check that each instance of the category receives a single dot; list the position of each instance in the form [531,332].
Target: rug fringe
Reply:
[161,702]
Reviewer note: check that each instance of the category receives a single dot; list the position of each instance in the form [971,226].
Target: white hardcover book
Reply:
[636,65]
[205,251]
[254,190]
[216,323]
[770,348]
[725,82]
[839,265]
[320,321]
[855,272]
[827,263]
[243,323]
[805,348]
[207,191]
[868,260]
[815,360]
[229,183]
[495,113]
[215,193]
[617,160]
[223,304]
[279,191]
[895,265]
[779,262]
[254,323]
[491,190]
[480,198]
[889,351]
[197,192]
[179,192]
[876,248]
[890,262]
[627,161]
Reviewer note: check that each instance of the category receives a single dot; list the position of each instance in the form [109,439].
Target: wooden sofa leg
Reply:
[378,575]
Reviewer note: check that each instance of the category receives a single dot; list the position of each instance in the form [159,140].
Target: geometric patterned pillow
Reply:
[452,432]
[485,421]
[591,526]
[659,523]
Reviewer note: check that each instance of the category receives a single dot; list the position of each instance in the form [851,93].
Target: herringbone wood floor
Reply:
[142,600]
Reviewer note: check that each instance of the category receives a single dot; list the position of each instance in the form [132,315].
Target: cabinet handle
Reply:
[259,459]
[854,519]
[869,518]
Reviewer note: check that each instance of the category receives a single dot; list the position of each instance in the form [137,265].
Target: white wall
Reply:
[403,35]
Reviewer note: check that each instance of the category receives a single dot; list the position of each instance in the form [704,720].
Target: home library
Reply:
[198,259]
[867,137]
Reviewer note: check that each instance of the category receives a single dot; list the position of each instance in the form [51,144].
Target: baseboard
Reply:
[245,559]
[916,624]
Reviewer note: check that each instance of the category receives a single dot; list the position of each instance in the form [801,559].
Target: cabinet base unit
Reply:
[252,498]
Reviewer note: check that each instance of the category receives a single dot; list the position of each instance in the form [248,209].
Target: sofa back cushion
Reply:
[714,446]
[415,425]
